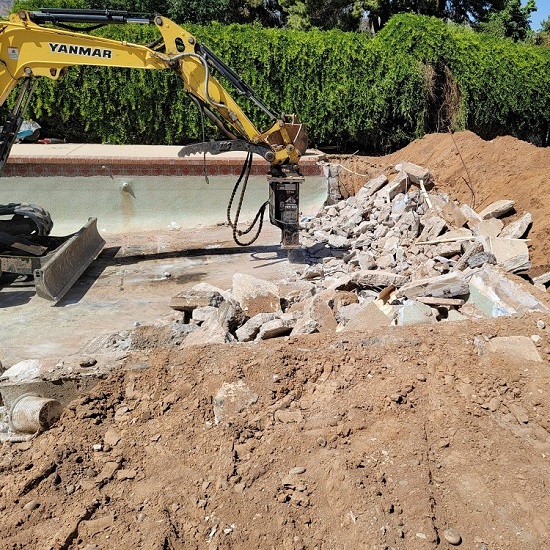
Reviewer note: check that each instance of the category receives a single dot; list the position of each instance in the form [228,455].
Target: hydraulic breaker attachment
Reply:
[284,205]
[54,262]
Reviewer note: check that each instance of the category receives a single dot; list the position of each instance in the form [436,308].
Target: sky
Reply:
[542,13]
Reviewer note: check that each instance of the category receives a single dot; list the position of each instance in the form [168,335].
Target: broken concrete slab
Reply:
[489,228]
[511,254]
[471,250]
[495,295]
[497,209]
[255,295]
[372,278]
[188,300]
[230,315]
[543,279]
[517,348]
[369,189]
[471,215]
[201,314]
[452,214]
[319,310]
[415,313]
[211,332]
[250,329]
[397,185]
[414,172]
[305,325]
[481,258]
[449,285]
[517,229]
[368,316]
[276,328]
[434,225]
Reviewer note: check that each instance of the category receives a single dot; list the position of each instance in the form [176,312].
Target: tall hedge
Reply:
[374,94]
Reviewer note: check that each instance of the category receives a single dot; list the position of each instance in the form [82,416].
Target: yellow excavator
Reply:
[35,44]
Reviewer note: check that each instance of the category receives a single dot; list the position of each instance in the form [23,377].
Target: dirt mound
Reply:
[476,172]
[379,440]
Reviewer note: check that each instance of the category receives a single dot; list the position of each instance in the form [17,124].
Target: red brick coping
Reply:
[42,166]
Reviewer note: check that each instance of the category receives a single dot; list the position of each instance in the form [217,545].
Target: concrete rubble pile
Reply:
[396,253]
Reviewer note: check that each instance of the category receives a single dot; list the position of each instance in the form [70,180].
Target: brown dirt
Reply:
[403,433]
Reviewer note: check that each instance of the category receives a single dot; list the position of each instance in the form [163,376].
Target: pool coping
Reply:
[70,160]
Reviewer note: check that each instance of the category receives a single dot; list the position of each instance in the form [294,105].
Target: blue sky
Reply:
[542,13]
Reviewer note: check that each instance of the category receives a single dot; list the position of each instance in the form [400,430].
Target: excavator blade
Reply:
[67,263]
[55,262]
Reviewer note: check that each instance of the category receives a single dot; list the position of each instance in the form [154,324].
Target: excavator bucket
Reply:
[56,263]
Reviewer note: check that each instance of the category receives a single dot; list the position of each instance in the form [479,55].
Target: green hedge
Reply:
[374,94]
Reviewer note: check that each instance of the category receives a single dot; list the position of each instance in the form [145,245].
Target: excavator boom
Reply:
[41,44]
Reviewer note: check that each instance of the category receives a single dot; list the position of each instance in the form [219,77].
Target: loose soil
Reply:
[396,438]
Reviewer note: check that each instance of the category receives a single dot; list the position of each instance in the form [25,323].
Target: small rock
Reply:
[536,338]
[32,505]
[452,536]
[297,470]
[86,362]
[541,325]
[70,489]
[97,447]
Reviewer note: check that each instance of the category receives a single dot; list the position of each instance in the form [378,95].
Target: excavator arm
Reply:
[41,44]
[32,47]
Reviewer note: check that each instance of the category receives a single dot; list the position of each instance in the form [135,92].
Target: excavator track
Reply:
[26,219]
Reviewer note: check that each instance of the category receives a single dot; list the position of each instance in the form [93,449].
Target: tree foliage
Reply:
[417,75]
[513,21]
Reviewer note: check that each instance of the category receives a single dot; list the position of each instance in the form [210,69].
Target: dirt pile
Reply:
[475,172]
[380,440]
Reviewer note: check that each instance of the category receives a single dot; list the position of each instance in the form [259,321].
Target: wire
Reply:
[469,182]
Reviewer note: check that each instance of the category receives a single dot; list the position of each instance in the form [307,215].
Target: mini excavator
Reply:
[44,43]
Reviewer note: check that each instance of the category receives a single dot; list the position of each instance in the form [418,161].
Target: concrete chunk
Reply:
[211,332]
[449,285]
[367,317]
[191,299]
[415,313]
[433,227]
[305,325]
[276,328]
[512,255]
[518,348]
[250,329]
[471,215]
[255,295]
[495,295]
[415,172]
[371,187]
[372,278]
[396,186]
[497,209]
[517,229]
[489,228]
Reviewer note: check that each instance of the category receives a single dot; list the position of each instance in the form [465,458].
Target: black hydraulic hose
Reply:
[243,178]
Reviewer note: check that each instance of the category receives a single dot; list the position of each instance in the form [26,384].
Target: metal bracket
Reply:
[219,147]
